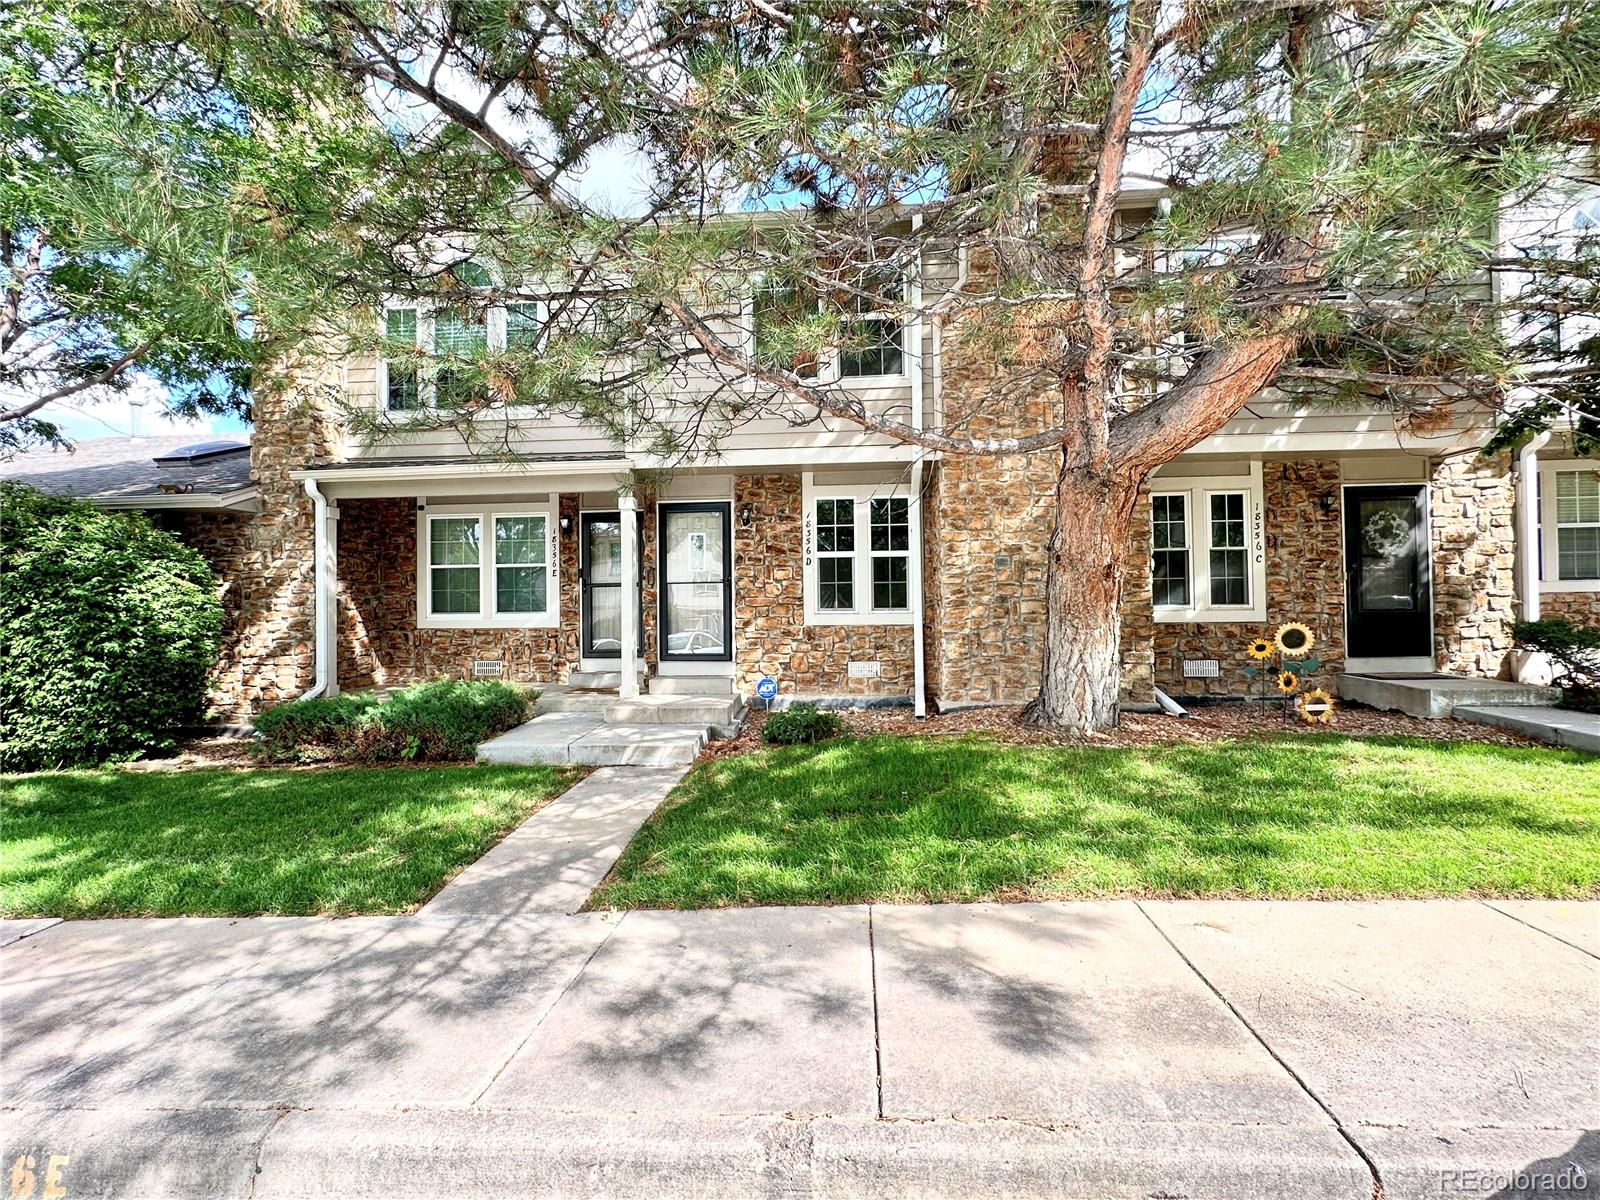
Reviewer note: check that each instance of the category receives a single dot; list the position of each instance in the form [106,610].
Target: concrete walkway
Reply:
[1558,726]
[1096,1049]
[553,860]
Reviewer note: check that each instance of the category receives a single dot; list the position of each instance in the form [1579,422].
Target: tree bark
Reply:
[1081,676]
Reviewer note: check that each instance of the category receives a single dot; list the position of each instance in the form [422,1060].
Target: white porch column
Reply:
[628,506]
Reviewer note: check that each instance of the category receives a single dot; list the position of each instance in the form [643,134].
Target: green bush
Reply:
[1574,653]
[802,723]
[427,722]
[109,628]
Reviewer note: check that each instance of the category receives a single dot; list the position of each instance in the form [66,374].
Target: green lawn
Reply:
[898,819]
[233,843]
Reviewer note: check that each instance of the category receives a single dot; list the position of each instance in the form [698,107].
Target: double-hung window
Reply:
[487,567]
[456,334]
[869,327]
[875,336]
[1207,555]
[1572,520]
[858,556]
[889,520]
[836,554]
[401,391]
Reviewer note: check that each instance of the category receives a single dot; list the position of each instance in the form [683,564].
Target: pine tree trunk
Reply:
[1082,673]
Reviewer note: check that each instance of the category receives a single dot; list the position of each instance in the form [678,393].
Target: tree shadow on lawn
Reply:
[234,843]
[890,819]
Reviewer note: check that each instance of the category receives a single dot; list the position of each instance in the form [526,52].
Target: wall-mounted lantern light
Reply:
[1325,503]
[566,525]
[747,517]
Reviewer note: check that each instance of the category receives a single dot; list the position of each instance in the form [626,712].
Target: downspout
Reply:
[1528,666]
[1528,523]
[319,582]
[919,683]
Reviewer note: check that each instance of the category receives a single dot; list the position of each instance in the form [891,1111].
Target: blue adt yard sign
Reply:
[767,688]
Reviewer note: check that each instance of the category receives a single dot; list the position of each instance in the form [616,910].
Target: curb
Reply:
[421,1154]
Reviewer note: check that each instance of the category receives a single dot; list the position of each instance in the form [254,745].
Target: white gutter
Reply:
[1528,524]
[919,684]
[321,625]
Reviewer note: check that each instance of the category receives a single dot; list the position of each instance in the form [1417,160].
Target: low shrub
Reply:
[108,630]
[428,722]
[1574,654]
[802,723]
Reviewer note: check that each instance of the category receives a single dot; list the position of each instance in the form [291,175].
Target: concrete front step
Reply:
[1437,696]
[694,710]
[597,679]
[585,739]
[1558,726]
[691,685]
[558,699]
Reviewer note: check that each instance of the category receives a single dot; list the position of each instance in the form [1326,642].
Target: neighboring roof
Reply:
[121,472]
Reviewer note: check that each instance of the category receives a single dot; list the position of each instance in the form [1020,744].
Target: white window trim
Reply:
[427,396]
[486,617]
[863,613]
[1197,492]
[830,368]
[1549,550]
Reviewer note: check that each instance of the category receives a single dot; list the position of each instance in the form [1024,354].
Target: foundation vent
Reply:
[487,668]
[1202,668]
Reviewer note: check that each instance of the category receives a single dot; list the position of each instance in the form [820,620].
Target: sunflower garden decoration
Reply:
[1283,663]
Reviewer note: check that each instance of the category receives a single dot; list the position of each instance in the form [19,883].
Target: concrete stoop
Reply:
[584,722]
[1558,726]
[1437,696]
[589,740]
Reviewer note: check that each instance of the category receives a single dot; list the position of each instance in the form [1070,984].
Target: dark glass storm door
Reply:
[1387,585]
[696,554]
[600,570]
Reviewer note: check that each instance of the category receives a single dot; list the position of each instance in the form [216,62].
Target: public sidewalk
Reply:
[1097,1049]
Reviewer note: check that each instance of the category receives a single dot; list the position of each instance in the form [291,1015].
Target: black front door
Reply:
[1387,592]
[600,570]
[696,553]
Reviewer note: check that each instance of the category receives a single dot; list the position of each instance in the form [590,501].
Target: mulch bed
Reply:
[1207,723]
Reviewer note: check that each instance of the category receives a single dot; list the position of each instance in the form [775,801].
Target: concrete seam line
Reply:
[877,1038]
[261,1146]
[534,1028]
[1535,928]
[22,937]
[1377,1177]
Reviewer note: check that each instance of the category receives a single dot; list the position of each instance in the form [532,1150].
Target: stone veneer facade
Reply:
[380,644]
[1305,583]
[986,523]
[769,629]
[1472,511]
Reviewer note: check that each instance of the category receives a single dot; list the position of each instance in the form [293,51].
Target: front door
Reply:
[1387,589]
[696,582]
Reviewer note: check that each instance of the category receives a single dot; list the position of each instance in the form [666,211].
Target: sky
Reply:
[112,415]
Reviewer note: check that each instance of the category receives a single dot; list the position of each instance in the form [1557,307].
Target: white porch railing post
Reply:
[628,506]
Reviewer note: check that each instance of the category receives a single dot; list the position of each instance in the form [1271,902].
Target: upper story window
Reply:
[876,335]
[870,328]
[401,390]
[487,568]
[456,334]
[858,555]
[1207,551]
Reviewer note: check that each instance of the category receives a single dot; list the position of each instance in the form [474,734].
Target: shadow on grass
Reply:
[909,818]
